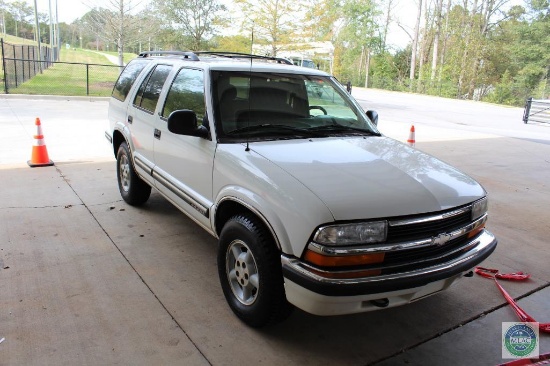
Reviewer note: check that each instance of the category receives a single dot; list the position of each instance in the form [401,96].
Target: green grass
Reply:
[127,57]
[66,78]
[17,40]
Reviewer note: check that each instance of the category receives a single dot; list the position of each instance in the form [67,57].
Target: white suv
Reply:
[312,206]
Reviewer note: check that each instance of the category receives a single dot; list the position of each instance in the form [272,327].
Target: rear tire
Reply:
[132,188]
[249,266]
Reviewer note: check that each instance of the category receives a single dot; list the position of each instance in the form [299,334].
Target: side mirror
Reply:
[184,122]
[373,116]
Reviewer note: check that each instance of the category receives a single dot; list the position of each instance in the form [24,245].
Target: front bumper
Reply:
[317,294]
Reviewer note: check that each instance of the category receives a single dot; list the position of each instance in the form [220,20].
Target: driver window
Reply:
[186,92]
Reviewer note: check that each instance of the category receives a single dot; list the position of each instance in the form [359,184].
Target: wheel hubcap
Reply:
[124,171]
[242,272]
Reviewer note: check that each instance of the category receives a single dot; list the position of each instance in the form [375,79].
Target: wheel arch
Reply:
[118,139]
[231,206]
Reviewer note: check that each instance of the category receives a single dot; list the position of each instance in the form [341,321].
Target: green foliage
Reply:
[520,55]
[231,43]
[195,18]
[503,91]
[273,21]
[355,38]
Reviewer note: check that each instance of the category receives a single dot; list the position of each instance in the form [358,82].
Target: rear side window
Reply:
[149,91]
[127,78]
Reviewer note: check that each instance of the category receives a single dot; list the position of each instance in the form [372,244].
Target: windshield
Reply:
[259,106]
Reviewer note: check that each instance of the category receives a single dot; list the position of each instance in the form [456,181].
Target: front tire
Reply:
[132,188]
[249,266]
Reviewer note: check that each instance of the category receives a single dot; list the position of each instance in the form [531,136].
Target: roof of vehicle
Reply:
[231,61]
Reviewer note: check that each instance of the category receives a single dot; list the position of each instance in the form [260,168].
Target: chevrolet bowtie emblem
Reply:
[441,239]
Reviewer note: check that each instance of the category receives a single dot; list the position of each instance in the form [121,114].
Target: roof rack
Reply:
[244,55]
[193,56]
[186,55]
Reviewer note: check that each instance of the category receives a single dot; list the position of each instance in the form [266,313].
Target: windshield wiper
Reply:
[273,128]
[342,128]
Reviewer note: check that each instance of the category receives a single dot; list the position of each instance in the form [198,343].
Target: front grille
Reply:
[403,256]
[423,230]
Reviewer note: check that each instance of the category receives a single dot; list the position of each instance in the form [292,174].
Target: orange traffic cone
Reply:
[39,151]
[411,139]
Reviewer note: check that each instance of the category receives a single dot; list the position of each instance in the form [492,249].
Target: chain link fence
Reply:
[27,73]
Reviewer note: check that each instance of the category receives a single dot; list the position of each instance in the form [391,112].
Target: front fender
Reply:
[291,211]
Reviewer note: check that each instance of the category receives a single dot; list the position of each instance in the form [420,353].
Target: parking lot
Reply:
[86,279]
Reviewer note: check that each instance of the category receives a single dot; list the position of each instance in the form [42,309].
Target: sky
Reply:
[405,11]
[68,10]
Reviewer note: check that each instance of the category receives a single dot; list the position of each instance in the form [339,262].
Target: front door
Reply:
[184,164]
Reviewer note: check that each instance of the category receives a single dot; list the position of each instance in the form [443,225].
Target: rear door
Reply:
[141,117]
[183,164]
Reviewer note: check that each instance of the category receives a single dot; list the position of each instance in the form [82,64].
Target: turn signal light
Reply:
[339,261]
[476,231]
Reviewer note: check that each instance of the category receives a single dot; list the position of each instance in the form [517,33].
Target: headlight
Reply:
[359,233]
[479,208]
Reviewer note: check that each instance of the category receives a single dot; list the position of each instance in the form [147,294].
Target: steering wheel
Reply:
[318,107]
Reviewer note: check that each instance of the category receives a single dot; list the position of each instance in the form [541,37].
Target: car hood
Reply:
[371,177]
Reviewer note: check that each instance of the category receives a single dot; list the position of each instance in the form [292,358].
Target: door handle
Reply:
[130,119]
[157,133]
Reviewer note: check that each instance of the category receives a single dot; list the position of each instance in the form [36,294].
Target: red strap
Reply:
[518,276]
[541,360]
[493,273]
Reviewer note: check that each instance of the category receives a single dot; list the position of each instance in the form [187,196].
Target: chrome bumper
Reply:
[306,276]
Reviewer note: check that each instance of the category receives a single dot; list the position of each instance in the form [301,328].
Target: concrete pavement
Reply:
[87,279]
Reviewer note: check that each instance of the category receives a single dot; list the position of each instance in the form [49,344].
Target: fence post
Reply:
[4,66]
[527,110]
[87,79]
[15,65]
[23,62]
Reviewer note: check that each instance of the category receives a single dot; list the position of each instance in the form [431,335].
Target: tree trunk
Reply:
[386,25]
[467,45]
[423,46]
[438,13]
[415,43]
[444,50]
[367,68]
[120,40]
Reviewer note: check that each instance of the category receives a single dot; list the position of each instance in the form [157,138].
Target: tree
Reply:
[236,43]
[196,18]
[115,23]
[525,42]
[386,25]
[21,12]
[319,20]
[3,11]
[274,21]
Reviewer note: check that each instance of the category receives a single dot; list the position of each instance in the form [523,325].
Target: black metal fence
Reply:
[26,73]
[537,111]
[27,61]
